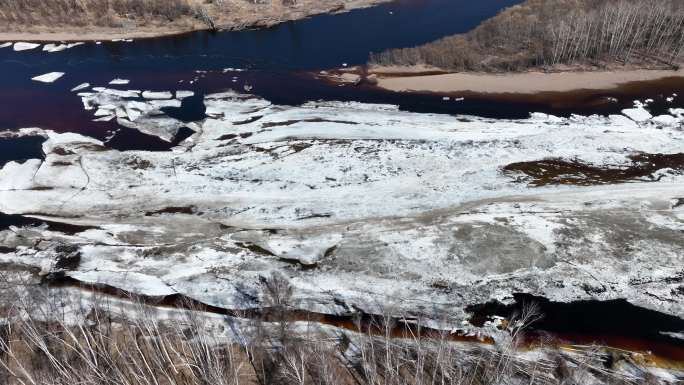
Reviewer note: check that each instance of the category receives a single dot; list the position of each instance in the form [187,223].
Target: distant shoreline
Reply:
[423,79]
[241,19]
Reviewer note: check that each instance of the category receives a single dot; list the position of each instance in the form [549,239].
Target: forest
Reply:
[548,33]
[108,13]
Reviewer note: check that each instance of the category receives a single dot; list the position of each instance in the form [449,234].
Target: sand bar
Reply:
[522,83]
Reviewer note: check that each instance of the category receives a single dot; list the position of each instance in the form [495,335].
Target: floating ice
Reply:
[157,95]
[5,45]
[60,47]
[118,81]
[22,46]
[48,77]
[81,86]
[180,95]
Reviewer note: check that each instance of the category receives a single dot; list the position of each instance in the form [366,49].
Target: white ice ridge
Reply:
[50,77]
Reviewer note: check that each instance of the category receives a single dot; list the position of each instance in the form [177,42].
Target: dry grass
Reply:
[42,345]
[83,19]
[108,13]
[543,33]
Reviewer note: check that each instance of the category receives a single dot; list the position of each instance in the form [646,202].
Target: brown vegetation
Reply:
[101,19]
[42,344]
[544,33]
[108,13]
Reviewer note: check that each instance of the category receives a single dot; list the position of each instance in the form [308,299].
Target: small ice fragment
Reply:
[669,100]
[54,47]
[344,64]
[157,95]
[81,86]
[637,114]
[180,94]
[22,46]
[118,81]
[247,87]
[98,42]
[48,77]
[446,98]
[5,45]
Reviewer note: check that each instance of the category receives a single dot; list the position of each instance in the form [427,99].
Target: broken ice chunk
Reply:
[157,95]
[48,77]
[81,86]
[118,81]
[22,46]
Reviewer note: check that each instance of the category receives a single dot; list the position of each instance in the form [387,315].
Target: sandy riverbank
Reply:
[429,80]
[229,15]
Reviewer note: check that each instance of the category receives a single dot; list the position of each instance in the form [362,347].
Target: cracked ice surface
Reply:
[360,206]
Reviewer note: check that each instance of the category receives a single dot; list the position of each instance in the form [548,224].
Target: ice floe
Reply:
[60,47]
[118,81]
[50,77]
[22,46]
[180,95]
[5,45]
[80,87]
[157,95]
[143,114]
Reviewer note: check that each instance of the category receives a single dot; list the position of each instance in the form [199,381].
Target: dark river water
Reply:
[278,64]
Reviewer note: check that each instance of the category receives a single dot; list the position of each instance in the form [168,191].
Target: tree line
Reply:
[83,12]
[541,33]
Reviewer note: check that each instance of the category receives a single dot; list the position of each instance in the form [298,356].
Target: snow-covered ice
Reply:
[360,206]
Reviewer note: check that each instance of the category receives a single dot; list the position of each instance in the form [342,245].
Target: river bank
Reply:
[424,79]
[228,16]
